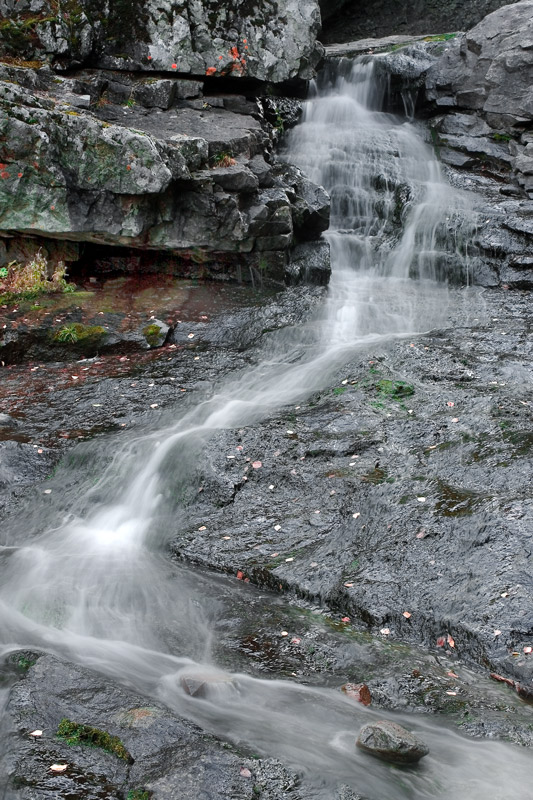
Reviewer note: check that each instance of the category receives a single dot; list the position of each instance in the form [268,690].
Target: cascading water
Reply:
[96,587]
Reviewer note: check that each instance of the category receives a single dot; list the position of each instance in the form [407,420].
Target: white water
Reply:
[97,587]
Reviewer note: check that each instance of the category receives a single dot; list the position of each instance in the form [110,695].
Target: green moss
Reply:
[74,733]
[77,332]
[152,334]
[138,794]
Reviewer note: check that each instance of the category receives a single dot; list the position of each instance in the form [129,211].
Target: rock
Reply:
[156,333]
[347,21]
[273,42]
[208,684]
[390,742]
[136,176]
[309,263]
[359,692]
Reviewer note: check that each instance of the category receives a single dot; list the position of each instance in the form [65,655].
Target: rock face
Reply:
[390,742]
[152,176]
[358,20]
[271,41]
[489,72]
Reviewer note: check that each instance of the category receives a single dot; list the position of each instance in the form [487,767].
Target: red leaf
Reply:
[240,575]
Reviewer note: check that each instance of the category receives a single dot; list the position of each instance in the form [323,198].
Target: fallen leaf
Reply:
[452,675]
[36,733]
[295,640]
[190,336]
[202,528]
[154,405]
[385,631]
[284,633]
[58,767]
[348,585]
[257,465]
[226,538]
[47,491]
[455,419]
[421,534]
[245,773]
[313,564]
[240,575]
[289,559]
[441,641]
[528,650]
[406,614]
[450,641]
[356,515]
[497,632]
[277,527]
[359,692]
[453,694]
[345,619]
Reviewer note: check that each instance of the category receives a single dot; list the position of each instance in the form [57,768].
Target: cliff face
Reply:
[377,18]
[273,40]
[121,127]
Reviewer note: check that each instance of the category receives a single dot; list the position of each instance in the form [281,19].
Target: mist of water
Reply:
[96,587]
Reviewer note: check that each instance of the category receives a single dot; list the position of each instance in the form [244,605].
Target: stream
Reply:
[95,586]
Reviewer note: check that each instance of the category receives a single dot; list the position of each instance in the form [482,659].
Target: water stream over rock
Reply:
[96,586]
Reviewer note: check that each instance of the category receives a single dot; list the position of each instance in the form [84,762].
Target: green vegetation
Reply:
[74,733]
[28,281]
[222,159]
[77,332]
[501,137]
[152,334]
[138,794]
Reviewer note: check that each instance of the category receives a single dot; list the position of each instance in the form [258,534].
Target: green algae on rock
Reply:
[75,733]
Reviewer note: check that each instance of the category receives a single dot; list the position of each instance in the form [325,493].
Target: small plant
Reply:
[130,102]
[74,733]
[223,159]
[138,794]
[27,281]
[67,334]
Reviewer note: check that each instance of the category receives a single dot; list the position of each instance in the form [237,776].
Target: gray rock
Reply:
[235,178]
[488,69]
[155,93]
[273,42]
[390,742]
[309,263]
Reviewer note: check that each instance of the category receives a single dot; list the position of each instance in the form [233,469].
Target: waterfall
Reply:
[92,587]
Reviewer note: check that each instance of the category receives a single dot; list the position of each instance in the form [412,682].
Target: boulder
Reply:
[390,742]
[490,68]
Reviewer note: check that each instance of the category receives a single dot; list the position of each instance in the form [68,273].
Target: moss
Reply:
[74,733]
[152,334]
[138,794]
[79,333]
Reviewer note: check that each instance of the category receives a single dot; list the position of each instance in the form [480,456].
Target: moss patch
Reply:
[74,733]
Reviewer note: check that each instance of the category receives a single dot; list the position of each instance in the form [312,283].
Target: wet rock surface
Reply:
[391,742]
[165,750]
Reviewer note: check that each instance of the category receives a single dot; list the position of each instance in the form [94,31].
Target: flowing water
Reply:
[96,586]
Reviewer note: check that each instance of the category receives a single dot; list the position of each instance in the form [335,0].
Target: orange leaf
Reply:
[240,575]
[210,70]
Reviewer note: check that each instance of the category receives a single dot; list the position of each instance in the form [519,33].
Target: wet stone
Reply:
[206,685]
[390,742]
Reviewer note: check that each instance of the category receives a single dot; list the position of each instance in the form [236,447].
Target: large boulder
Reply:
[272,41]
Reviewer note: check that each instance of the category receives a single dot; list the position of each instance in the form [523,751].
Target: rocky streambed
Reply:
[375,532]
